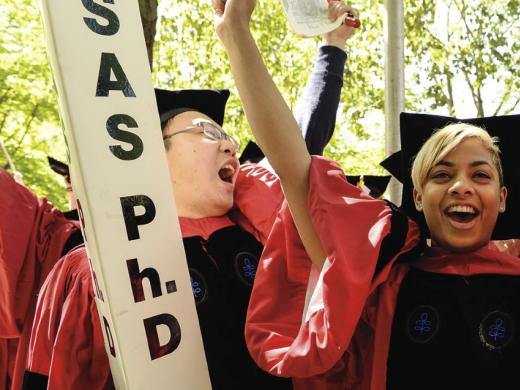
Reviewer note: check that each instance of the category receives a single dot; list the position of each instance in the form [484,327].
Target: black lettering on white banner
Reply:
[132,221]
[111,28]
[150,325]
[124,136]
[136,280]
[110,340]
[108,65]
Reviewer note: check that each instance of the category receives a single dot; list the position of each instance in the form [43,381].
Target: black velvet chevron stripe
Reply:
[34,381]
[395,240]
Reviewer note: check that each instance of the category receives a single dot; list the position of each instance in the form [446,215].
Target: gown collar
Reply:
[203,227]
[486,260]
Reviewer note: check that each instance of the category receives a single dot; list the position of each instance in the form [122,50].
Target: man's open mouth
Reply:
[226,173]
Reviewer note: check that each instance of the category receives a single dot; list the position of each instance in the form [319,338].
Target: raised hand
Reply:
[340,35]
[232,16]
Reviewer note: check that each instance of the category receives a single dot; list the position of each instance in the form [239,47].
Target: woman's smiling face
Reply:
[461,197]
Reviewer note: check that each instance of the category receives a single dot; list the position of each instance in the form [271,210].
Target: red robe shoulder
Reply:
[257,199]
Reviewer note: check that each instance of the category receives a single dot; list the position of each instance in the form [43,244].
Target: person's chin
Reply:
[465,244]
[224,205]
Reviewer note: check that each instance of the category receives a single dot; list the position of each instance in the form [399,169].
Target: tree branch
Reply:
[472,90]
[451,103]
[480,103]
[27,127]
[3,123]
[504,99]
[508,111]
[6,92]
[462,12]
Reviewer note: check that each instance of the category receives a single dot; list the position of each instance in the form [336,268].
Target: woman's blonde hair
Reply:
[443,141]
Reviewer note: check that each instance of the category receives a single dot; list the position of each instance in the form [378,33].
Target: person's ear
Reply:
[417,198]
[503,197]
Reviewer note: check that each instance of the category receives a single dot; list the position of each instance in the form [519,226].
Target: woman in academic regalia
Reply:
[347,295]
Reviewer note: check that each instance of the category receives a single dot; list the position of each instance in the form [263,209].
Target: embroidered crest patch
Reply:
[496,330]
[422,324]
[245,267]
[199,286]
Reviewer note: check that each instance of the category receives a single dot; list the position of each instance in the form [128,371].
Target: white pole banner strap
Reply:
[120,176]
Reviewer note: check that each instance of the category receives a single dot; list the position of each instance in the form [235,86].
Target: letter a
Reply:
[108,65]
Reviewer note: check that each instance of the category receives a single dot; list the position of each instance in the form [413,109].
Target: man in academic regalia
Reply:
[225,213]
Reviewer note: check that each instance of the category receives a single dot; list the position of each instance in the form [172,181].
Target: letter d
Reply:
[150,325]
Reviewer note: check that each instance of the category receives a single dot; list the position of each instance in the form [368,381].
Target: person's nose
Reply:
[461,186]
[228,147]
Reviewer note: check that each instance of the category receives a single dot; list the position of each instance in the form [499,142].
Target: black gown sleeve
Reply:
[317,107]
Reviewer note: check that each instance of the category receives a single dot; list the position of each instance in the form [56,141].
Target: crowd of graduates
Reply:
[303,277]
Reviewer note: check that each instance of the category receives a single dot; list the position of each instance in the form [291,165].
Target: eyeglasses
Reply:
[209,130]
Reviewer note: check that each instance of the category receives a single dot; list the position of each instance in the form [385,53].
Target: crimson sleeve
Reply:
[300,321]
[67,344]
[32,236]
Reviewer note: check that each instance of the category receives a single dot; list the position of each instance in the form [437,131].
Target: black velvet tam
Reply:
[417,128]
[393,165]
[210,102]
[251,153]
[58,167]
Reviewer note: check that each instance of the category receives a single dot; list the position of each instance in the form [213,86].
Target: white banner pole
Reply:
[120,176]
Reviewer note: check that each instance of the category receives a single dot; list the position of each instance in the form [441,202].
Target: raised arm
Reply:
[271,120]
[317,106]
[273,124]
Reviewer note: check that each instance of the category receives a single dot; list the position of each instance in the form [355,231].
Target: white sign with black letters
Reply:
[120,176]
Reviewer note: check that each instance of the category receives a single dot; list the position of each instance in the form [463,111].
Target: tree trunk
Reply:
[148,9]
[451,103]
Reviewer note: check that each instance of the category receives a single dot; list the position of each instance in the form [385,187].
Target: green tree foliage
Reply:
[29,122]
[455,49]
[464,48]
[189,55]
